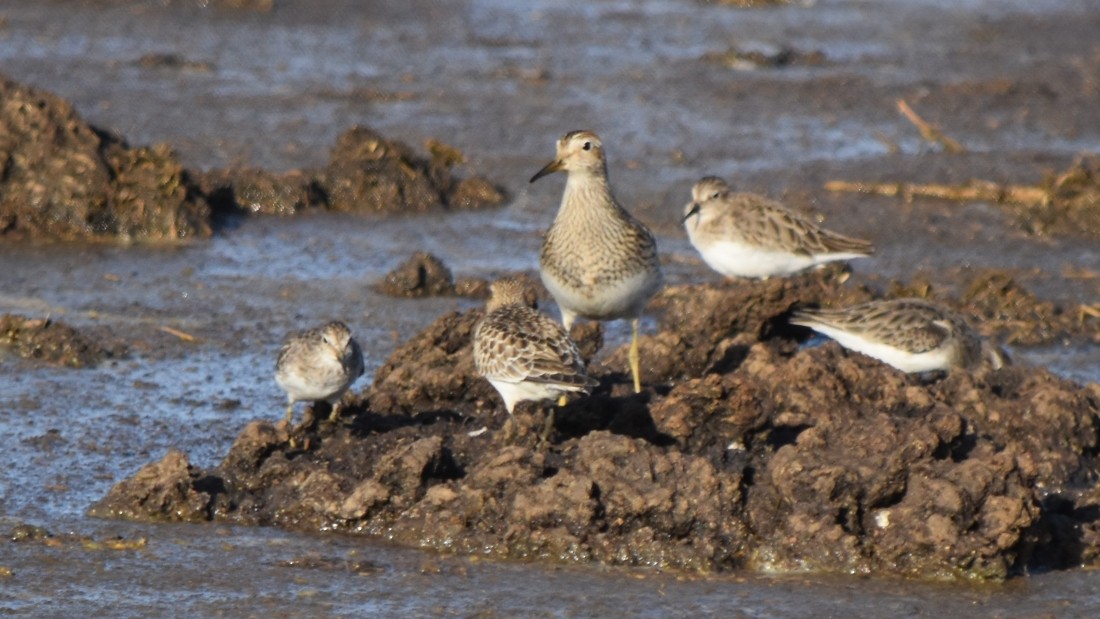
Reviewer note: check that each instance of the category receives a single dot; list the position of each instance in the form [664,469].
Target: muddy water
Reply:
[500,82]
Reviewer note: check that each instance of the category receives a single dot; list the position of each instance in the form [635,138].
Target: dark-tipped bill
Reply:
[550,168]
[694,210]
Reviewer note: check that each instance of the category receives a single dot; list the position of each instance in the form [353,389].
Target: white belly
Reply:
[609,301]
[935,359]
[523,391]
[734,259]
[329,387]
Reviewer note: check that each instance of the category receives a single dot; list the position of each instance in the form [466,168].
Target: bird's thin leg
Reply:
[547,427]
[635,364]
[508,431]
[291,442]
[334,416]
[567,319]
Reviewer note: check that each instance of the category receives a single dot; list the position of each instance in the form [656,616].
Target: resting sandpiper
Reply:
[524,354]
[912,335]
[318,364]
[597,261]
[747,235]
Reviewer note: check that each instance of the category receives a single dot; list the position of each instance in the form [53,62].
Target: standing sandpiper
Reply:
[912,335]
[318,364]
[597,260]
[748,235]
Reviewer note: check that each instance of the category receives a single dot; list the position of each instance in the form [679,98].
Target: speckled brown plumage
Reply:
[597,260]
[318,364]
[524,354]
[912,335]
[748,235]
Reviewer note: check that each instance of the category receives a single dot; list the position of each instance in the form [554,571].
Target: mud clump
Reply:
[53,342]
[764,57]
[366,173]
[168,490]
[425,275]
[172,62]
[706,328]
[422,275]
[747,451]
[62,178]
[259,192]
[1071,202]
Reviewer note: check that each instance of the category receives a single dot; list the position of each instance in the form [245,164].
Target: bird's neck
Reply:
[587,196]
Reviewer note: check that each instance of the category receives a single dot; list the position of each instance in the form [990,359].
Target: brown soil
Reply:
[61,178]
[1071,204]
[425,275]
[1066,203]
[365,173]
[54,342]
[745,451]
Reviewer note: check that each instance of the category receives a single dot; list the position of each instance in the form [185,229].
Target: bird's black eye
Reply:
[715,194]
[587,146]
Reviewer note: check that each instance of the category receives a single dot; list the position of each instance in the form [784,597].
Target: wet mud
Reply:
[748,450]
[1071,204]
[752,447]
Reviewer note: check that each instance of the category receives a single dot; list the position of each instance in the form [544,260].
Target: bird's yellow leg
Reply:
[635,365]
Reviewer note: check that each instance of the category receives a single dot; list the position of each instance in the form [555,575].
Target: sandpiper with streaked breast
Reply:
[597,260]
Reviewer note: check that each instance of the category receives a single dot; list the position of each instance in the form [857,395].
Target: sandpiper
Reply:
[523,353]
[912,335]
[747,235]
[597,261]
[318,364]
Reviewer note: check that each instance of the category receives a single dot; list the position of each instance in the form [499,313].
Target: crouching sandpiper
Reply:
[911,335]
[318,365]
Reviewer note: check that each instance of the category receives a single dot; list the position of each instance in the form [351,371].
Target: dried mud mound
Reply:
[748,451]
[62,178]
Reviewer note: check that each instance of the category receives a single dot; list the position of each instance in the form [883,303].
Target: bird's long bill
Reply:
[550,168]
[693,211]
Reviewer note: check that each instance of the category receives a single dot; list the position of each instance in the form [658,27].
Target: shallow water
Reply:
[501,81]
